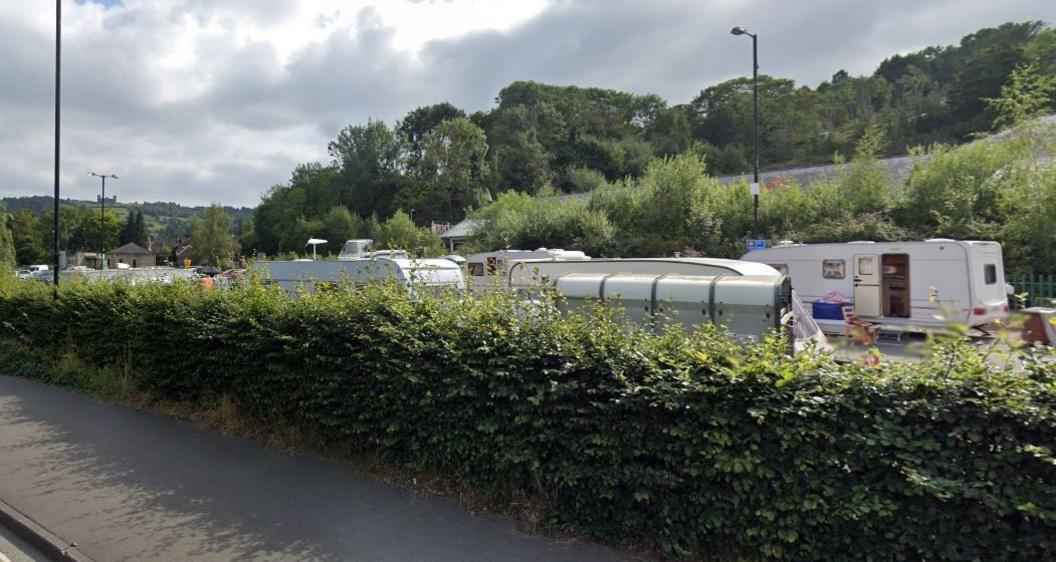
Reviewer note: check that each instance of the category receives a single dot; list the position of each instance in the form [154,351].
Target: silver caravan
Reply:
[411,273]
[748,306]
[748,299]
[909,286]
[532,273]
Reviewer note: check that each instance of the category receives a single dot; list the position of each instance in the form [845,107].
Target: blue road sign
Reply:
[751,244]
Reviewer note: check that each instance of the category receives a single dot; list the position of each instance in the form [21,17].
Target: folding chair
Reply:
[854,328]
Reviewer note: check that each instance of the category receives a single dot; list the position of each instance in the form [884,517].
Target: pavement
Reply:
[124,484]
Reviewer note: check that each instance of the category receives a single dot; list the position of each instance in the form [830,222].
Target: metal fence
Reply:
[1040,290]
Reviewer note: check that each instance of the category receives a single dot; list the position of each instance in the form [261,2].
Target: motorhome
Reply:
[357,265]
[903,286]
[490,269]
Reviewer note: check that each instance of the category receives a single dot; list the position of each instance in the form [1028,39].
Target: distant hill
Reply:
[162,218]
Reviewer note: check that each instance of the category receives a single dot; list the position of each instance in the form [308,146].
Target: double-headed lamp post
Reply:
[102,214]
[740,30]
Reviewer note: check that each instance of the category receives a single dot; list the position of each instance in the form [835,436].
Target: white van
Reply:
[911,286]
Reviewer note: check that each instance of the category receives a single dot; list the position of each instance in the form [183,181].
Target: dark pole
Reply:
[102,223]
[58,66]
[755,126]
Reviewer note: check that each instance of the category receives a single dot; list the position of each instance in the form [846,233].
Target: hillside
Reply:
[161,218]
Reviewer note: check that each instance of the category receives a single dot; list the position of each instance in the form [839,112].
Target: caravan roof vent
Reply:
[940,240]
[861,242]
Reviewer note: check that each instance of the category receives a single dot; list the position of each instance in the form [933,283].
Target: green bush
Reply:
[688,442]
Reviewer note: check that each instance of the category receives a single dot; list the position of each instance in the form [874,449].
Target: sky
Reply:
[201,101]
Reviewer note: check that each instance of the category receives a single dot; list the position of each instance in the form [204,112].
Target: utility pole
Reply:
[102,215]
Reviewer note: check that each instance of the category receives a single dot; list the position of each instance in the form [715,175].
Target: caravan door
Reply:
[867,285]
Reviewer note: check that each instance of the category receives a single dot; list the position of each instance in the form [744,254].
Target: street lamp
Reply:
[740,30]
[58,77]
[102,215]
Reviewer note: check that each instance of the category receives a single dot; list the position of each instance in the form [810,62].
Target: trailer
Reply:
[534,273]
[411,273]
[488,270]
[748,306]
[903,286]
[748,299]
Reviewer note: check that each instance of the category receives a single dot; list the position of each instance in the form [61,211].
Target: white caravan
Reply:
[904,286]
[489,269]
[411,273]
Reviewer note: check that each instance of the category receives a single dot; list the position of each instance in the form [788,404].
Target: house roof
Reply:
[131,248]
[462,229]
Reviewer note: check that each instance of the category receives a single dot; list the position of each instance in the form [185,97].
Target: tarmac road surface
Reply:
[130,485]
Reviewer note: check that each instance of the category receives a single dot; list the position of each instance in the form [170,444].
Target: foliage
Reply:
[211,239]
[518,221]
[7,244]
[28,244]
[691,443]
[134,231]
[400,233]
[440,165]
[1026,96]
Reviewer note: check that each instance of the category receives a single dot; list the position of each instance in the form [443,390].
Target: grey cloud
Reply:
[257,115]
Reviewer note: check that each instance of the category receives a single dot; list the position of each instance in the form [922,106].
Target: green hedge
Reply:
[690,443]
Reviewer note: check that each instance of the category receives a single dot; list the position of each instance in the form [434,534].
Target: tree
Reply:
[371,159]
[788,121]
[339,225]
[134,230]
[451,172]
[989,54]
[418,123]
[671,133]
[400,233]
[7,244]
[26,239]
[1027,95]
[211,239]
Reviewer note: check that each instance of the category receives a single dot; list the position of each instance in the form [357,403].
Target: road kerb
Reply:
[50,544]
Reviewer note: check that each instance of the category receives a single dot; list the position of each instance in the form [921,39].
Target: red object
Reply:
[979,310]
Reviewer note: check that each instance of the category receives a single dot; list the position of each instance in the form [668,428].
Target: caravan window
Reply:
[476,269]
[990,273]
[833,269]
[492,265]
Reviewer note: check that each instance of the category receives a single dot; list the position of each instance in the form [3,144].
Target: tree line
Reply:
[439,162]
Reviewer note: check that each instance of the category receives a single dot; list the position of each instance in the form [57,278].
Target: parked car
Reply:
[207,270]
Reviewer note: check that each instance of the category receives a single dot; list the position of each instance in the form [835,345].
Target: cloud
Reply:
[216,100]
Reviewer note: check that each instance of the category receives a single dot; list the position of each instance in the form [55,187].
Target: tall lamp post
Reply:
[58,75]
[740,30]
[102,215]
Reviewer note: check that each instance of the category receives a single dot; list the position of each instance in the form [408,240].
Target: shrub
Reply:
[688,442]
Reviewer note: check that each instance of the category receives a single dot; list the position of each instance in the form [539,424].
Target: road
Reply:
[130,485]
